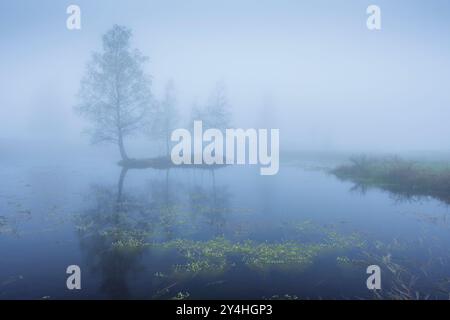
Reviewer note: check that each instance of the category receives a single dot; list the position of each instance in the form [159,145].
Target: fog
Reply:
[343,166]
[310,68]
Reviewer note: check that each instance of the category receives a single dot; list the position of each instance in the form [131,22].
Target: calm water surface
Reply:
[227,233]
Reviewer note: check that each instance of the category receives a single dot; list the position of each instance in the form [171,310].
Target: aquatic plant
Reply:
[181,296]
[343,261]
[219,254]
[128,244]
[411,270]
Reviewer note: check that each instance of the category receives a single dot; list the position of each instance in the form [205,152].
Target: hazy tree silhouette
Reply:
[166,118]
[216,113]
[115,92]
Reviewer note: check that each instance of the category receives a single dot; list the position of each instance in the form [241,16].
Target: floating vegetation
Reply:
[125,239]
[181,296]
[204,265]
[357,263]
[84,226]
[219,254]
[345,261]
[128,244]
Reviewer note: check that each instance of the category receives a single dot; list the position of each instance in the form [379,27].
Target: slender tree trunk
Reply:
[123,153]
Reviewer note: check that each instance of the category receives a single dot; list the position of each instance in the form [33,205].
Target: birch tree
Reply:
[115,95]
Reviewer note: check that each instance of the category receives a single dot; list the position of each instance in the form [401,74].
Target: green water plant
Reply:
[220,254]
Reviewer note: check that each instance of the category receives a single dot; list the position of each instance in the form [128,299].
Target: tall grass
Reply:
[402,177]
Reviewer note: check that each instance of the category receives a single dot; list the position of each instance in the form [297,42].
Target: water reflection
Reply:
[113,218]
[211,204]
[117,220]
[173,233]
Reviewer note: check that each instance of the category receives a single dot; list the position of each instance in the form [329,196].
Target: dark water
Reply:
[227,233]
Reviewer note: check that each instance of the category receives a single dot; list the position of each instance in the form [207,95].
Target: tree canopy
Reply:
[115,95]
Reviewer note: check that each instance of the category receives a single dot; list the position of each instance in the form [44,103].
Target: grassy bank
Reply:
[401,177]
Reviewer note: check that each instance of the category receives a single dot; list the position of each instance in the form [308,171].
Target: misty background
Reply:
[310,68]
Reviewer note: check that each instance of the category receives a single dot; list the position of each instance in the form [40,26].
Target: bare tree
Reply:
[216,113]
[167,117]
[115,92]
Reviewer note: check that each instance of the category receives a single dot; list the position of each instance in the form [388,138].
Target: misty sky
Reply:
[310,68]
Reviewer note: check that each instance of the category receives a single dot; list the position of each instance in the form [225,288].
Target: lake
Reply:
[210,234]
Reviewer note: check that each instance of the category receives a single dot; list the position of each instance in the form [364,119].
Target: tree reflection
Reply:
[211,204]
[118,227]
[113,218]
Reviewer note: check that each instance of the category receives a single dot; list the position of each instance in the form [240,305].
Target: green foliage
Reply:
[128,244]
[219,254]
